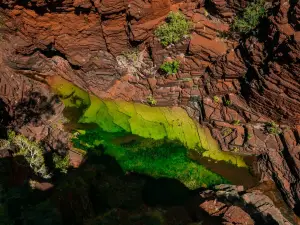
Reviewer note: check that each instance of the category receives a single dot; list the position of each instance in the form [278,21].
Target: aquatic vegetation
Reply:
[168,159]
[167,134]
[155,158]
[149,122]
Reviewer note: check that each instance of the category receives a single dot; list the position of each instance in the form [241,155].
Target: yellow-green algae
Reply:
[145,121]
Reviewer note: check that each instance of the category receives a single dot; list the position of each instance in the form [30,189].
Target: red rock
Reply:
[230,65]
[82,3]
[152,82]
[226,9]
[235,215]
[282,15]
[110,6]
[214,207]
[115,35]
[208,50]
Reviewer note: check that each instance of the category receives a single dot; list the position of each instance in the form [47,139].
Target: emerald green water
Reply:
[157,140]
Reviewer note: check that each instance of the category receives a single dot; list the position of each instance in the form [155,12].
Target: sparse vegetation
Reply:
[249,136]
[32,152]
[272,128]
[174,29]
[226,131]
[61,163]
[171,67]
[235,149]
[131,55]
[133,62]
[236,122]
[216,99]
[206,14]
[250,17]
[227,102]
[151,100]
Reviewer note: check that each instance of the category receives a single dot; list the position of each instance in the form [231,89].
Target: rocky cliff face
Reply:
[254,78]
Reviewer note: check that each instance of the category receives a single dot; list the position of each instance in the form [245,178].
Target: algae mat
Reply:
[149,122]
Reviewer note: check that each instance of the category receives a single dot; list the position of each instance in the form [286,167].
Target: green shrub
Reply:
[227,102]
[249,136]
[175,28]
[250,17]
[61,163]
[170,67]
[272,128]
[236,122]
[226,131]
[216,99]
[151,100]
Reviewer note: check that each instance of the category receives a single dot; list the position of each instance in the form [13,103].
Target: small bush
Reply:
[272,128]
[227,102]
[250,17]
[216,99]
[236,122]
[133,62]
[175,28]
[226,131]
[132,55]
[249,136]
[151,100]
[61,163]
[170,67]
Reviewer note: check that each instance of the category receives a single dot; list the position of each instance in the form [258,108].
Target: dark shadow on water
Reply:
[95,190]
[164,192]
[96,193]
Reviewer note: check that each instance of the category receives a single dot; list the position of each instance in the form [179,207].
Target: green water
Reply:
[162,158]
[166,135]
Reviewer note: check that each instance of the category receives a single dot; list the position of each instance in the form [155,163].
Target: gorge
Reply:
[204,129]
